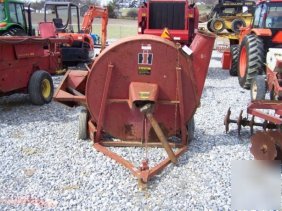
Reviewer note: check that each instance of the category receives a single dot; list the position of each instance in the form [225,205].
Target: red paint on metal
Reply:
[243,62]
[226,60]
[258,108]
[21,56]
[277,38]
[47,29]
[142,92]
[170,78]
[183,36]
[165,58]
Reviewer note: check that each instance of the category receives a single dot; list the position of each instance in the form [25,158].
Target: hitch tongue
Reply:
[147,110]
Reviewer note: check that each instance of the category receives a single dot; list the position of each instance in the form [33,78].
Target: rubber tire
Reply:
[82,127]
[254,62]
[34,87]
[234,53]
[217,30]
[14,32]
[209,26]
[260,83]
[234,24]
[190,130]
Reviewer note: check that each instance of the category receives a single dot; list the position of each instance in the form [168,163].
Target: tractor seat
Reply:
[58,23]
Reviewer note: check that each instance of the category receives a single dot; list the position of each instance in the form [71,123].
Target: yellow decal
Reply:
[142,70]
[144,95]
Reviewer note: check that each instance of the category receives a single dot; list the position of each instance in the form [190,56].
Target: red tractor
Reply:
[179,17]
[255,42]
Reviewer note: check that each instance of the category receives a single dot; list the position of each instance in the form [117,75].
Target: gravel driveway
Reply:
[44,166]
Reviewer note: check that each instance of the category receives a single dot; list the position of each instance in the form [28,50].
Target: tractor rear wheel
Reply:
[217,25]
[236,24]
[14,32]
[258,88]
[234,52]
[190,130]
[251,60]
[82,129]
[40,88]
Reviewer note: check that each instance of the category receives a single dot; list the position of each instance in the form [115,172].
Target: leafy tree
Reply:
[132,13]
[113,7]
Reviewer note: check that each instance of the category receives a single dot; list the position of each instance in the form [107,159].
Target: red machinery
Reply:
[88,18]
[266,145]
[178,16]
[82,48]
[141,90]
[26,64]
[248,58]
[272,81]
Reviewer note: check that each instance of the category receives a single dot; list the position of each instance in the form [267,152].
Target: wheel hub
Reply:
[45,88]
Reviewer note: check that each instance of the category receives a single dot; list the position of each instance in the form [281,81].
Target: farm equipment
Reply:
[13,20]
[26,64]
[179,17]
[247,56]
[255,41]
[272,81]
[82,48]
[142,90]
[230,15]
[266,145]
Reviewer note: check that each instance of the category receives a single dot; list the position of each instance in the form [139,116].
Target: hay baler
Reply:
[26,64]
[179,16]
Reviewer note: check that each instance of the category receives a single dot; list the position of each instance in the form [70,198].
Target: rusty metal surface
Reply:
[270,121]
[264,145]
[153,60]
[162,137]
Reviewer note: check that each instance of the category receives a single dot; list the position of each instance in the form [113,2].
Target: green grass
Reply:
[116,31]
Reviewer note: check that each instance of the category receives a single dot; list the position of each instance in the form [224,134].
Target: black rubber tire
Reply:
[255,59]
[234,53]
[190,130]
[236,24]
[35,87]
[258,88]
[209,26]
[213,28]
[14,32]
[82,127]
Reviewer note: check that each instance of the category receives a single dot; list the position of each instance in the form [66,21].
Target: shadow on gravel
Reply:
[18,110]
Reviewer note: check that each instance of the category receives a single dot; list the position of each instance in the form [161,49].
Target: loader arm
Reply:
[88,19]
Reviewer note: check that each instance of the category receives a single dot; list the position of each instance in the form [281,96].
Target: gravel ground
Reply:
[44,165]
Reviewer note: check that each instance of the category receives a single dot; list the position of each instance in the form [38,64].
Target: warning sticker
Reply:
[144,70]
